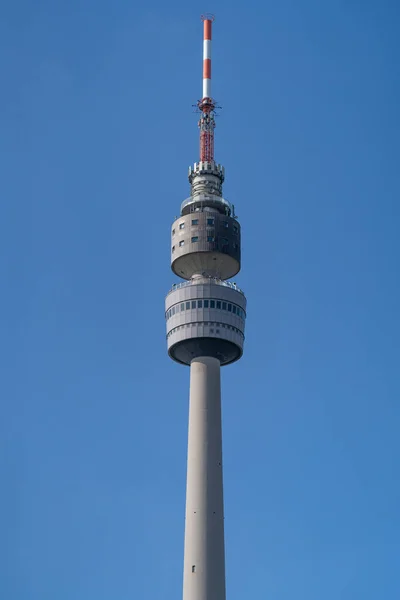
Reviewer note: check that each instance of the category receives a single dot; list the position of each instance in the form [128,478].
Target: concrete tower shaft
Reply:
[204,563]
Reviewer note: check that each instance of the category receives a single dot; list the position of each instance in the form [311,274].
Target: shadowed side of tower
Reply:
[205,317]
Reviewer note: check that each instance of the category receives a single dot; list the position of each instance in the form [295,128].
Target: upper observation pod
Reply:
[205,239]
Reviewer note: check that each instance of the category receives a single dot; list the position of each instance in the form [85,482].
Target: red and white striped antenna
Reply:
[207,104]
[207,41]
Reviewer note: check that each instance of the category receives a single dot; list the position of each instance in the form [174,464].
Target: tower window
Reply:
[210,221]
[187,305]
[205,303]
[235,229]
[173,248]
[199,303]
[182,242]
[210,238]
[195,239]
[212,303]
[224,306]
[229,307]
[193,568]
[181,225]
[193,303]
[195,221]
[182,306]
[234,309]
[225,224]
[218,304]
[173,232]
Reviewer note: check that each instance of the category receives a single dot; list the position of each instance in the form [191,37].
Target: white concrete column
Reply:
[204,561]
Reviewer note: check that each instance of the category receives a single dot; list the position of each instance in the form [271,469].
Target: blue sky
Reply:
[97,133]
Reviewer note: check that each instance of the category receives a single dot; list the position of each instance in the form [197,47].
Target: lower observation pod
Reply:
[205,317]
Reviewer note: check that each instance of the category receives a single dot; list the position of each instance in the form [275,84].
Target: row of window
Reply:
[209,222]
[210,238]
[193,304]
[215,329]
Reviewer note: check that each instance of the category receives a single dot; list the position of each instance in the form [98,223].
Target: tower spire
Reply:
[206,104]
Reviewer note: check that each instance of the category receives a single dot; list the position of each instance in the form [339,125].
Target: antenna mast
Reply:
[207,105]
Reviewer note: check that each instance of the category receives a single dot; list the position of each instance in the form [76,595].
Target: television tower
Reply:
[205,318]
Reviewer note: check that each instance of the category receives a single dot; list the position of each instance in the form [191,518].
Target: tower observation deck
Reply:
[205,319]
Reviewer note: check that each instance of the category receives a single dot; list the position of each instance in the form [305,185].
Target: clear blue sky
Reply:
[97,133]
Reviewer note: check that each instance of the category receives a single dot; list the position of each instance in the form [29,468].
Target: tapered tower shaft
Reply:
[204,561]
